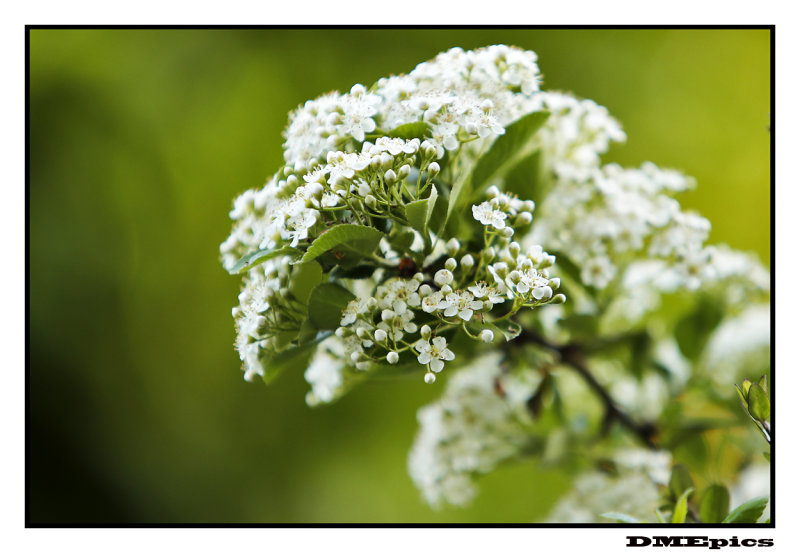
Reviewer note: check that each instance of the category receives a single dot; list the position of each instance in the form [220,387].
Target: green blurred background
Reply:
[139,141]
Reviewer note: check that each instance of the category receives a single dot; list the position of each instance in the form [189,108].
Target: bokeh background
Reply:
[140,139]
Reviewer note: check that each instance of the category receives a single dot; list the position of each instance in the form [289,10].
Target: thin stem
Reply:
[572,355]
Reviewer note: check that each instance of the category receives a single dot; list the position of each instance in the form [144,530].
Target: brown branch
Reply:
[572,355]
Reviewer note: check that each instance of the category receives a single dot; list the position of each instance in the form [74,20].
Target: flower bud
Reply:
[387,315]
[446,289]
[528,206]
[453,245]
[450,264]
[380,335]
[501,268]
[508,232]
[361,332]
[430,378]
[372,303]
[487,335]
[425,332]
[419,277]
[371,201]
[425,290]
[467,261]
[404,171]
[392,357]
[555,283]
[559,298]
[291,180]
[524,218]
[433,169]
[340,332]
[428,149]
[443,277]
[548,293]
[513,249]
[390,176]
[355,357]
[514,276]
[471,128]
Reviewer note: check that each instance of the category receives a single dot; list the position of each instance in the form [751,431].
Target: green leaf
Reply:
[418,129]
[758,403]
[326,303]
[307,332]
[714,504]
[749,511]
[504,154]
[681,507]
[680,480]
[357,272]
[297,356]
[462,183]
[525,178]
[762,382]
[623,518]
[431,204]
[342,240]
[260,256]
[402,241]
[743,394]
[693,330]
[418,212]
[304,278]
[508,150]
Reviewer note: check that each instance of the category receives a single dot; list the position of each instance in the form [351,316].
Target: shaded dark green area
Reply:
[139,142]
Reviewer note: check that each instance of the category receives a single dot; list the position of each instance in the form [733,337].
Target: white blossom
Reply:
[461,303]
[434,353]
[469,430]
[324,373]
[489,216]
[633,491]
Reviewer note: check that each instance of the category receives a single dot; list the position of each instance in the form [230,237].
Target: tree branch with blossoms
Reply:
[408,233]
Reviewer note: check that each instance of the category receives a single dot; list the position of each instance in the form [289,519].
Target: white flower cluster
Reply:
[263,308]
[336,172]
[608,217]
[739,347]
[577,132]
[633,491]
[325,373]
[503,211]
[460,95]
[479,421]
[737,279]
[252,211]
[383,327]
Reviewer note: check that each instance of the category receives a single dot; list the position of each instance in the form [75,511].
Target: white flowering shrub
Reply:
[457,221]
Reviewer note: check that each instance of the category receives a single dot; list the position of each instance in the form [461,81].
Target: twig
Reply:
[572,355]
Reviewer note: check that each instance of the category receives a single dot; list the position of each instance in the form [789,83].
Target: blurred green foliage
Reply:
[140,139]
